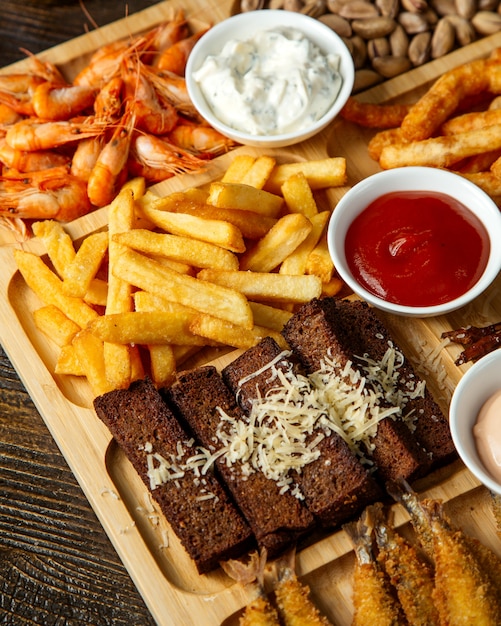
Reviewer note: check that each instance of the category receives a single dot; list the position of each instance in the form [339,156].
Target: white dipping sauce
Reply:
[274,83]
[487,433]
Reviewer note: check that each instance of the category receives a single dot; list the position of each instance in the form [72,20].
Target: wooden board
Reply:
[164,575]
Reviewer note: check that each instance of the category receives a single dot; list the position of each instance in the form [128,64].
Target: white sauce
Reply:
[487,433]
[274,83]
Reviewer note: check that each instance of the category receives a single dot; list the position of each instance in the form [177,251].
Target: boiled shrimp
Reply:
[16,91]
[157,159]
[374,599]
[48,194]
[110,169]
[295,606]
[53,102]
[164,36]
[152,114]
[174,58]
[109,99]
[409,573]
[8,116]
[33,134]
[259,611]
[200,139]
[30,161]
[105,63]
[85,156]
[172,89]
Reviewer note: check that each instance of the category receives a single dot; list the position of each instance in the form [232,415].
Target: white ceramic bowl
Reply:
[242,27]
[412,179]
[476,386]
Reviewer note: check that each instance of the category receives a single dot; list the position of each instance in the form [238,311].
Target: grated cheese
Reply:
[284,429]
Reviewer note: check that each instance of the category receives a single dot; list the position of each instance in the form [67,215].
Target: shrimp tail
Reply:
[259,611]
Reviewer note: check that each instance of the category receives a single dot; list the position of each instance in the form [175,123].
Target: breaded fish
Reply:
[409,573]
[374,599]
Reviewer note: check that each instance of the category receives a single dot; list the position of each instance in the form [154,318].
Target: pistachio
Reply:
[293,5]
[466,8]
[365,78]
[399,41]
[379,47]
[338,24]
[414,6]
[334,6]
[487,5]
[251,5]
[486,22]
[358,9]
[391,66]
[444,7]
[373,27]
[420,48]
[314,8]
[443,38]
[359,51]
[465,33]
[413,23]
[388,8]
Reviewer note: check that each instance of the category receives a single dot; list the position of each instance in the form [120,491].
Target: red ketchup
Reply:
[417,248]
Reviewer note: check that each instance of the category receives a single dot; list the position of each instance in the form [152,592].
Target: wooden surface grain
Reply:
[57,565]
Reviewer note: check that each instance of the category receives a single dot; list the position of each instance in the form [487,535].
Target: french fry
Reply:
[49,288]
[240,196]
[280,241]
[162,365]
[68,363]
[238,168]
[218,330]
[57,242]
[296,262]
[298,195]
[89,352]
[80,273]
[205,297]
[474,120]
[55,324]
[263,287]
[97,293]
[117,358]
[319,262]
[332,288]
[217,232]
[322,173]
[183,249]
[269,316]
[441,151]
[252,225]
[259,172]
[145,328]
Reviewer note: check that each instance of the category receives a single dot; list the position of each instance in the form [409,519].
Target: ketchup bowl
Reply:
[478,386]
[269,78]
[416,241]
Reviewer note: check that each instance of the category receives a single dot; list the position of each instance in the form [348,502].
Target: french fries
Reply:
[210,268]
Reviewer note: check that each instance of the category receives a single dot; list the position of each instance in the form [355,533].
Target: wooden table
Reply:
[57,566]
